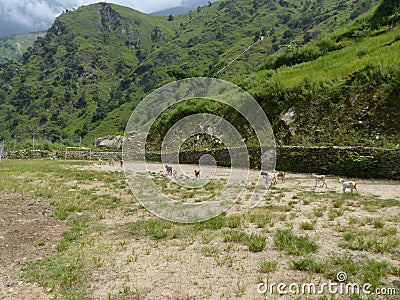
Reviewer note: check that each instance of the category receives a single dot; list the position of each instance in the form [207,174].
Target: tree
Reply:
[288,34]
[264,31]
[387,11]
[170,18]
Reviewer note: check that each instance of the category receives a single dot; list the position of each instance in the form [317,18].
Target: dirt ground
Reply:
[162,270]
[27,233]
[385,189]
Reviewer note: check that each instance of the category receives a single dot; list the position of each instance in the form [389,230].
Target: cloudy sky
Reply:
[21,16]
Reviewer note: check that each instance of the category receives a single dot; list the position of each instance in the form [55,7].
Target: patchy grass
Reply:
[112,235]
[358,269]
[254,242]
[268,266]
[379,241]
[286,240]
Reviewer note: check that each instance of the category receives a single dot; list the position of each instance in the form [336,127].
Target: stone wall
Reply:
[359,162]
[45,154]
[362,162]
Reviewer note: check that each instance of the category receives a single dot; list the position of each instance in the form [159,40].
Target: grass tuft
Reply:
[285,240]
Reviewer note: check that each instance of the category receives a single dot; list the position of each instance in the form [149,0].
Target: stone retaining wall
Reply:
[362,162]
[45,154]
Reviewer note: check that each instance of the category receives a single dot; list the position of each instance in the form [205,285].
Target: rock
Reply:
[290,116]
[110,142]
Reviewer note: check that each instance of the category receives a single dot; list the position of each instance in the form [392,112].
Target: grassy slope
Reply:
[98,61]
[9,49]
[208,39]
[356,55]
[364,71]
[79,64]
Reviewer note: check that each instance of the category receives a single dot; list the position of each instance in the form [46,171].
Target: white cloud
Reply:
[29,13]
[149,6]
[40,14]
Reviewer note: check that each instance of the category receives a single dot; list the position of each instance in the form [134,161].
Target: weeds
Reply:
[379,241]
[255,242]
[308,225]
[284,239]
[268,266]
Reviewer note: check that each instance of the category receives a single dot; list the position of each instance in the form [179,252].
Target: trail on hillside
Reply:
[236,58]
[19,47]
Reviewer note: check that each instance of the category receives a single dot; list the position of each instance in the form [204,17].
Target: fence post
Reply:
[1,150]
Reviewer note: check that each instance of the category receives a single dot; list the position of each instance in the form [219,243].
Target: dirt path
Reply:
[27,233]
[19,48]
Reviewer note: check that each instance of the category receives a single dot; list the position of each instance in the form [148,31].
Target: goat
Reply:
[197,174]
[111,162]
[271,176]
[100,161]
[320,178]
[281,175]
[348,185]
[174,173]
[168,169]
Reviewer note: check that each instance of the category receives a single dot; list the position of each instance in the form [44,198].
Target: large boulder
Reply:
[109,142]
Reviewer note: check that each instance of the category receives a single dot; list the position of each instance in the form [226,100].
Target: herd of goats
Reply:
[270,177]
[273,177]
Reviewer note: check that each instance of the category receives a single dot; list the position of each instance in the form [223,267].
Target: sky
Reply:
[22,16]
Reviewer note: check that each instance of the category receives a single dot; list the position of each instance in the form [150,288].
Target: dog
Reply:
[197,173]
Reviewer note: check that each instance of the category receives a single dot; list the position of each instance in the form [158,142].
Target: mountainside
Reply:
[84,78]
[340,89]
[13,47]
[185,8]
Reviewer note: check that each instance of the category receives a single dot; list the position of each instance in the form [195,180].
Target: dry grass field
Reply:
[73,230]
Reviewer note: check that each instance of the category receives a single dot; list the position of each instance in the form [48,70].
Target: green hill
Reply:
[348,95]
[13,47]
[84,78]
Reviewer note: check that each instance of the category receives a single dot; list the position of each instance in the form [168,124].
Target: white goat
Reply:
[352,185]
[320,178]
[270,176]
